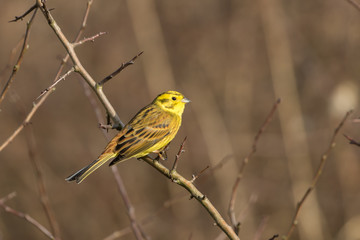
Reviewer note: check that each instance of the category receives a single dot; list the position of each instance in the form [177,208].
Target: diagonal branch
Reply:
[89,39]
[122,67]
[36,105]
[25,46]
[78,66]
[27,217]
[28,117]
[32,8]
[316,177]
[44,197]
[352,141]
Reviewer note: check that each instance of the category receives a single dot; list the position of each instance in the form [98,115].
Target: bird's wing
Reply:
[147,128]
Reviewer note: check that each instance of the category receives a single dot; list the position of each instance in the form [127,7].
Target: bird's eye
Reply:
[173,98]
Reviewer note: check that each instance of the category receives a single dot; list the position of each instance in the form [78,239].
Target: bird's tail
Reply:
[80,175]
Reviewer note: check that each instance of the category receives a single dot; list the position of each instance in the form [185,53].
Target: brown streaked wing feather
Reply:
[147,128]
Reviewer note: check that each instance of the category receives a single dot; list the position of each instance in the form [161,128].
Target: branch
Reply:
[32,8]
[52,86]
[26,217]
[29,116]
[8,197]
[231,212]
[177,156]
[117,71]
[47,94]
[316,177]
[351,140]
[44,198]
[195,193]
[89,39]
[25,46]
[78,66]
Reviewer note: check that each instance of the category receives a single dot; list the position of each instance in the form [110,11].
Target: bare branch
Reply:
[8,197]
[89,39]
[231,208]
[351,140]
[27,218]
[122,67]
[26,121]
[32,8]
[196,176]
[47,94]
[274,237]
[16,67]
[56,82]
[316,177]
[44,198]
[177,156]
[78,66]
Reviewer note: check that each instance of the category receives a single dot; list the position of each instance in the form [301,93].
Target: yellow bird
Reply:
[151,130]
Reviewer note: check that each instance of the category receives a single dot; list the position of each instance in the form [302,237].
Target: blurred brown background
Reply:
[233,59]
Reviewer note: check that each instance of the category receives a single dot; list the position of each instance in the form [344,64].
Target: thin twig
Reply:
[79,67]
[8,197]
[138,232]
[196,176]
[16,67]
[25,14]
[122,67]
[231,208]
[316,177]
[47,94]
[351,140]
[55,83]
[35,107]
[261,228]
[243,214]
[148,219]
[44,198]
[11,58]
[177,156]
[26,121]
[27,218]
[274,237]
[89,39]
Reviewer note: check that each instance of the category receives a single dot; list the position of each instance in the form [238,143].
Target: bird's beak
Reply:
[185,100]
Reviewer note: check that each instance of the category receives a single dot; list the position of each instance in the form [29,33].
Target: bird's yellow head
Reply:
[171,101]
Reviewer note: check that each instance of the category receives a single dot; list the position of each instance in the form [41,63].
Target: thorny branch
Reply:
[117,71]
[32,8]
[79,67]
[25,46]
[177,156]
[316,176]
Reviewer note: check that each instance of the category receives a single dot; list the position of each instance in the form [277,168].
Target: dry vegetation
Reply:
[248,159]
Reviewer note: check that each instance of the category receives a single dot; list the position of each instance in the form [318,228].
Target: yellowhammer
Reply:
[151,130]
